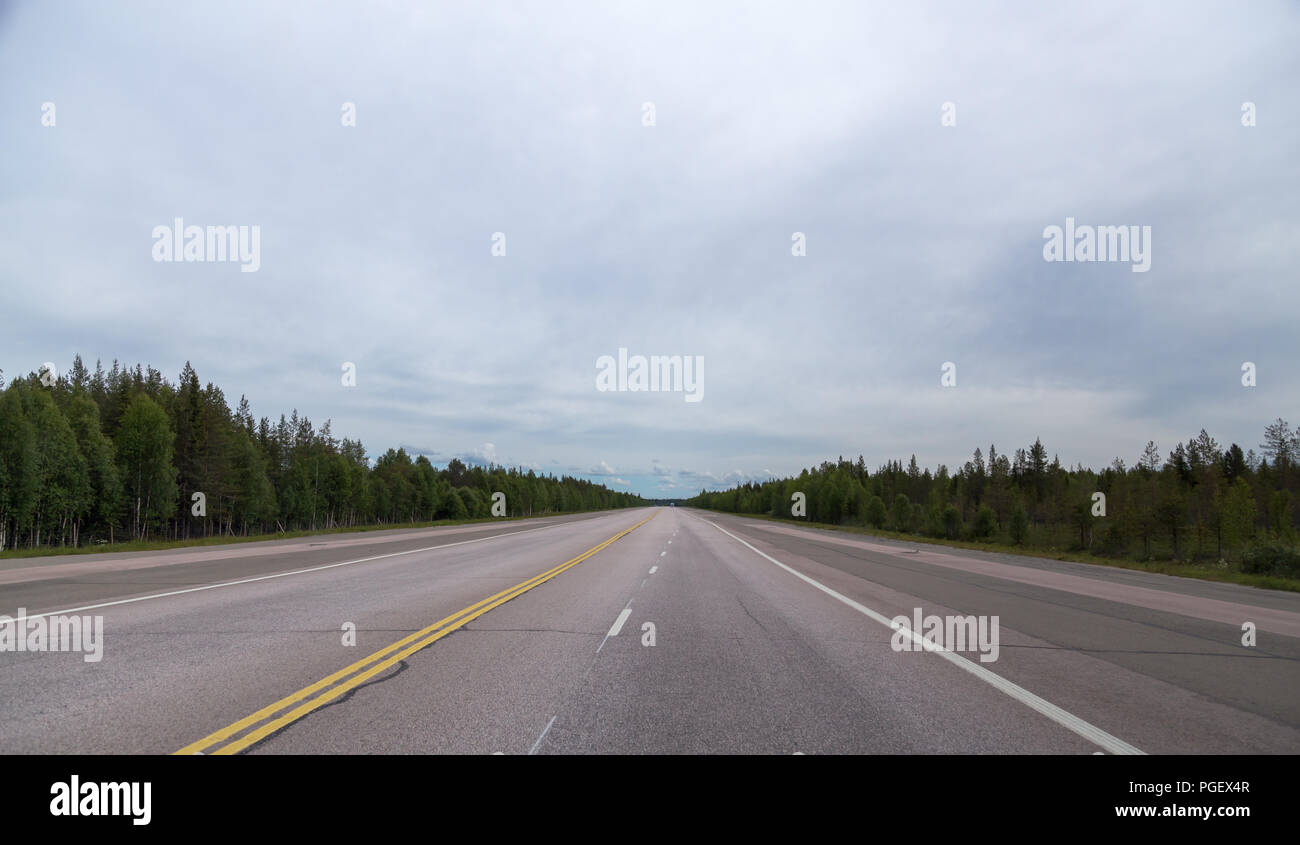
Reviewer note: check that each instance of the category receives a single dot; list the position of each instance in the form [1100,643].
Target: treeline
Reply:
[99,456]
[1202,501]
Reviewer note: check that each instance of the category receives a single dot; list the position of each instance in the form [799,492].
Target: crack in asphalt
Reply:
[401,667]
[531,631]
[740,602]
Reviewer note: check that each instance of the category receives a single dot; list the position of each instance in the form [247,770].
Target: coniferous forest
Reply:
[1202,502]
[114,456]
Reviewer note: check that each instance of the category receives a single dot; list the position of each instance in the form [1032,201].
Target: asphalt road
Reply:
[657,630]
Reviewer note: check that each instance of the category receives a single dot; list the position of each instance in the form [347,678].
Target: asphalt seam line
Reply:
[264,722]
[1059,715]
[282,574]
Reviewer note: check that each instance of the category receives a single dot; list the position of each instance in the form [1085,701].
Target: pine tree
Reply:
[97,450]
[144,454]
[1280,445]
[18,469]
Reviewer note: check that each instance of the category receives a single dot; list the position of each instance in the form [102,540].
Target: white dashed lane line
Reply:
[618,623]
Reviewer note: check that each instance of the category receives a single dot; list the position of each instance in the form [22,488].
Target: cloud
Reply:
[924,242]
[484,455]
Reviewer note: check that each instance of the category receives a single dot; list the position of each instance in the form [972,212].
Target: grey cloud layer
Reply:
[924,242]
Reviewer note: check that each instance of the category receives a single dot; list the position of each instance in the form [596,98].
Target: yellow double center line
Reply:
[265,721]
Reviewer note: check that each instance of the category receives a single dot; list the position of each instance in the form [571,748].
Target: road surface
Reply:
[654,630]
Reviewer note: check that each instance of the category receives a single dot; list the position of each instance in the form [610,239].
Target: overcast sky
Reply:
[924,241]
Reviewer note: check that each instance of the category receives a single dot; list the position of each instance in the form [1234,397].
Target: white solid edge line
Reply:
[547,730]
[279,574]
[618,623]
[1062,717]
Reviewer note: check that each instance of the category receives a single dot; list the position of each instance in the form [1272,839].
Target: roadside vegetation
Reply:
[1202,511]
[116,459]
